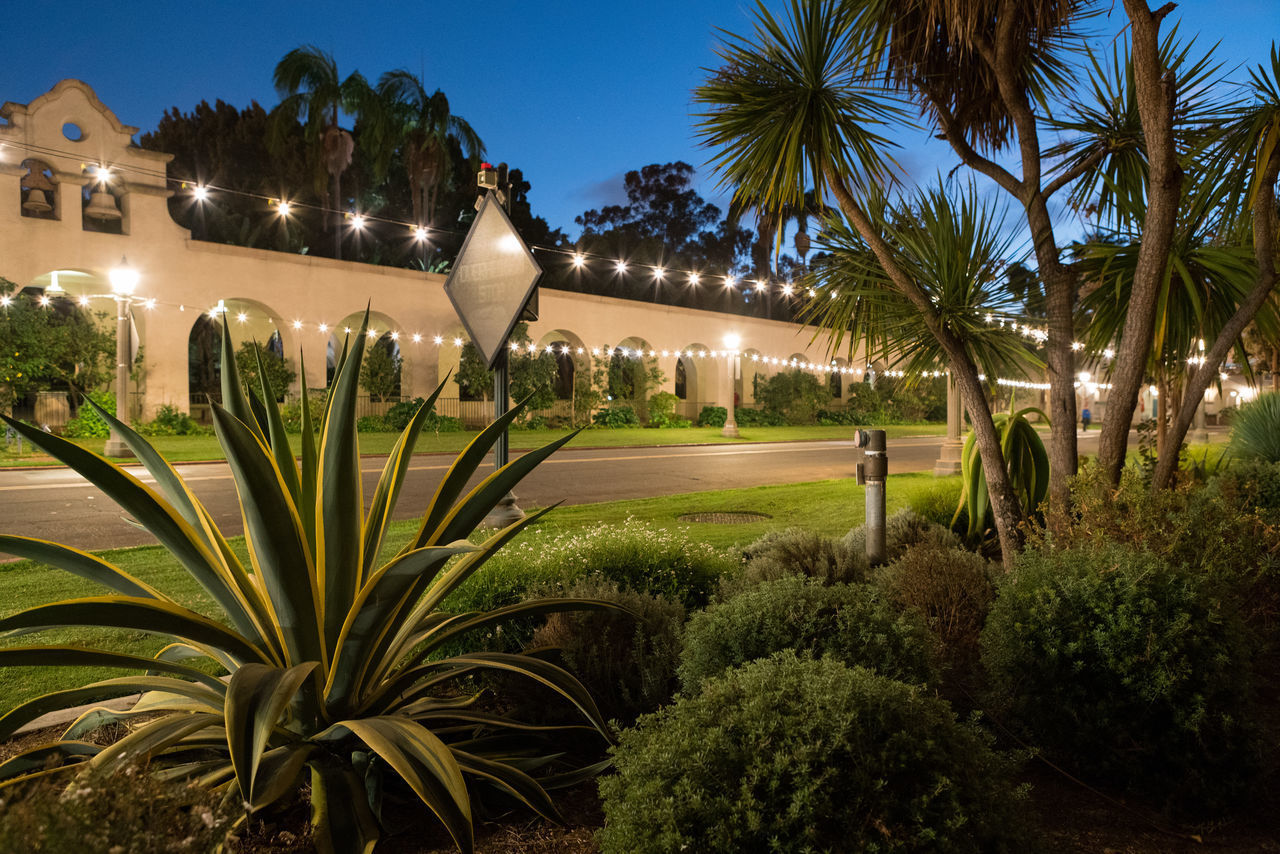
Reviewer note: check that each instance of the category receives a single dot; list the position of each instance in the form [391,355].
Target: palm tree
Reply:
[426,130]
[788,111]
[1249,150]
[311,89]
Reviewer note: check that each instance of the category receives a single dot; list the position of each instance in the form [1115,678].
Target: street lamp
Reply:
[731,343]
[124,281]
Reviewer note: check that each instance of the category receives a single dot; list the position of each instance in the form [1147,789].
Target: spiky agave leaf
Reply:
[327,650]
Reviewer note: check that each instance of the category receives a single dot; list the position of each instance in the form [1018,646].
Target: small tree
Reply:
[531,376]
[279,374]
[380,373]
[796,395]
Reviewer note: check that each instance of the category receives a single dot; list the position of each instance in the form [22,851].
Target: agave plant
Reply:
[1255,430]
[337,673]
[1028,464]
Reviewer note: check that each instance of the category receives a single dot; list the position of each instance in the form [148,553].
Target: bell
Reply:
[37,202]
[102,205]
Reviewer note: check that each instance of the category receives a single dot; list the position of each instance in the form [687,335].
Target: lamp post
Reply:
[124,280]
[731,342]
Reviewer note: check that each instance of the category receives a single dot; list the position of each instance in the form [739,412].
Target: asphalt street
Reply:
[57,504]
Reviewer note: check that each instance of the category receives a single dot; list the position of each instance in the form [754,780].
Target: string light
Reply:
[283,208]
[200,192]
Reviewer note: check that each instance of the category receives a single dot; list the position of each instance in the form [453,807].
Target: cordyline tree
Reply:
[802,102]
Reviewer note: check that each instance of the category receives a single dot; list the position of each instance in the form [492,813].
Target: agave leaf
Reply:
[456,478]
[341,821]
[569,779]
[528,608]
[71,656]
[512,781]
[389,484]
[340,507]
[155,514]
[273,533]
[38,757]
[138,614]
[168,701]
[428,593]
[256,698]
[106,689]
[277,438]
[233,396]
[424,762]
[151,738]
[368,620]
[278,772]
[78,563]
[552,676]
[307,476]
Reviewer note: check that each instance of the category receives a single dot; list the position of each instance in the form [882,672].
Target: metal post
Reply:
[115,446]
[873,473]
[506,510]
[730,425]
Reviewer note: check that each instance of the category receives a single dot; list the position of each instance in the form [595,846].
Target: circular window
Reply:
[72,131]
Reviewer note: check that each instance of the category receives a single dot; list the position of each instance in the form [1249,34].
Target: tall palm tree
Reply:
[311,90]
[789,111]
[426,129]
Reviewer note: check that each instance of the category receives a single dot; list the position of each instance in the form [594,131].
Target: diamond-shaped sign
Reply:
[492,280]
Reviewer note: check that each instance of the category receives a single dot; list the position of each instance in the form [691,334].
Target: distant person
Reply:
[1085,417]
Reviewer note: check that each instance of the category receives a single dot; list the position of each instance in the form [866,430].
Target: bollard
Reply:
[873,474]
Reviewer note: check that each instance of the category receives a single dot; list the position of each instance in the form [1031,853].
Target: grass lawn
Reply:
[830,507]
[196,448]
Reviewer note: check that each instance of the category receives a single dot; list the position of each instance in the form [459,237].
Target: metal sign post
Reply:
[873,473]
[492,281]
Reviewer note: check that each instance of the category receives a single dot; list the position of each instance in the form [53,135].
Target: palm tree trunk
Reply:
[335,215]
[1264,250]
[1156,92]
[1006,508]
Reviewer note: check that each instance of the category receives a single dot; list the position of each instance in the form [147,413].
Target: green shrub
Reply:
[616,416]
[749,417]
[88,424]
[171,421]
[797,552]
[902,530]
[795,755]
[634,555]
[936,502]
[713,416]
[626,658]
[794,395]
[1127,669]
[291,413]
[1255,429]
[852,622]
[130,813]
[950,588]
[373,424]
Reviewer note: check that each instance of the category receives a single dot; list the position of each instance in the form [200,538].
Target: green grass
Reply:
[197,448]
[829,507]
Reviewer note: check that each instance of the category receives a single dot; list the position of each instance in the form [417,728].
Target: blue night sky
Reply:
[574,93]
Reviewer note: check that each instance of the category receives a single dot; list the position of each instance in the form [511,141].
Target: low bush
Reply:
[171,421]
[132,812]
[626,658]
[291,413]
[88,424]
[616,416]
[795,551]
[1126,669]
[373,424]
[758,418]
[795,755]
[851,622]
[936,502]
[713,416]
[634,555]
[902,530]
[950,588]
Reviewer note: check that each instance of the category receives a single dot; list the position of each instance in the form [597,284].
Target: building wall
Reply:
[279,292]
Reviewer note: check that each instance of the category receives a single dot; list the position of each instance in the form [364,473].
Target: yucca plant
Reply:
[1028,463]
[336,673]
[1255,429]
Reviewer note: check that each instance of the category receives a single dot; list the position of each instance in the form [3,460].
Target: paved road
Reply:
[57,504]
